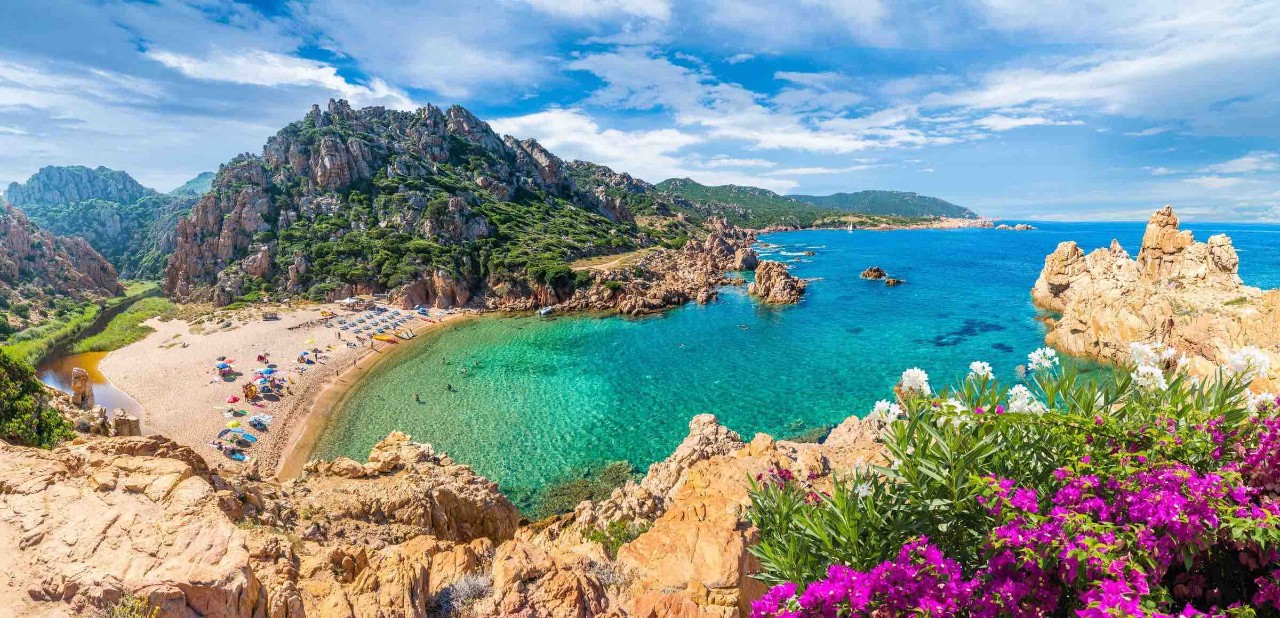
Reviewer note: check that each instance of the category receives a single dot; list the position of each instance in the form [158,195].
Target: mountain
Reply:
[898,203]
[751,207]
[38,270]
[129,224]
[76,183]
[432,204]
[195,187]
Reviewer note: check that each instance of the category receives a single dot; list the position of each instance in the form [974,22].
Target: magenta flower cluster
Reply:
[1129,545]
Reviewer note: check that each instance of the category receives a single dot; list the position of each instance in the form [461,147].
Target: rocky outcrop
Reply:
[82,525]
[408,533]
[745,259]
[1017,227]
[774,284]
[1177,292]
[874,272]
[57,185]
[35,265]
[893,282]
[438,177]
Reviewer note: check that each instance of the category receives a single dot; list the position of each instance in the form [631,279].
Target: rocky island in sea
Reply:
[1177,292]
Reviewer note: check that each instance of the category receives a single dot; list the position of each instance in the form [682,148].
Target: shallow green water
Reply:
[534,399]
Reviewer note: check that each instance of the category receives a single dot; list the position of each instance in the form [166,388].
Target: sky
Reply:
[1062,110]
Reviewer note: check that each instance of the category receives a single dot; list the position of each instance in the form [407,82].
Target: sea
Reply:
[530,401]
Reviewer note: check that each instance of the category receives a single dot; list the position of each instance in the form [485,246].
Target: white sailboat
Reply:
[850,227]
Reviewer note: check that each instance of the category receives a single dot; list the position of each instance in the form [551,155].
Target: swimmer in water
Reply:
[417,397]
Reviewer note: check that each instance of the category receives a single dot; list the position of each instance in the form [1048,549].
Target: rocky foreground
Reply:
[408,533]
[1178,292]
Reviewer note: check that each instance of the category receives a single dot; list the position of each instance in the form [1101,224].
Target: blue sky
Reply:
[1046,110]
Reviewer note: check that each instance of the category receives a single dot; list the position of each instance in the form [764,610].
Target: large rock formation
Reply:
[130,225]
[409,533]
[353,180]
[1178,292]
[36,265]
[774,284]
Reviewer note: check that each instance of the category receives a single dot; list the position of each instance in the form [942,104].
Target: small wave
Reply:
[791,252]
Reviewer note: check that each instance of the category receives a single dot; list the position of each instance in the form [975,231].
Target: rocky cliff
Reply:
[1177,292]
[130,225]
[75,183]
[431,204]
[407,533]
[36,265]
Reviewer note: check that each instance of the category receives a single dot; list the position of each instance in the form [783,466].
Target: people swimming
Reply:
[417,397]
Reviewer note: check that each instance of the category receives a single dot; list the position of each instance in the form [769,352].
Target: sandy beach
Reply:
[172,376]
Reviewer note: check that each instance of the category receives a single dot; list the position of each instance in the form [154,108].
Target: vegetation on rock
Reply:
[130,225]
[750,207]
[25,415]
[127,327]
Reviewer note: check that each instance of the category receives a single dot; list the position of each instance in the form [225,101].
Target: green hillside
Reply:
[746,206]
[900,203]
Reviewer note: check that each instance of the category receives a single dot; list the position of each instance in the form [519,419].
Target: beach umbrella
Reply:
[222,366]
[311,341]
[304,353]
[262,382]
[233,424]
[268,371]
[232,399]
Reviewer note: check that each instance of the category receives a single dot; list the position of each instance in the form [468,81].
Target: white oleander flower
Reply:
[862,490]
[886,411]
[1144,353]
[1150,378]
[955,405]
[979,370]
[1262,401]
[1021,401]
[1249,362]
[1044,358]
[916,380]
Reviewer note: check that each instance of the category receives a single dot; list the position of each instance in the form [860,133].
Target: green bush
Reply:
[25,416]
[953,459]
[127,327]
[616,535]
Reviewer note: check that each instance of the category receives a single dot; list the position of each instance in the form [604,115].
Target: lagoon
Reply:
[527,401]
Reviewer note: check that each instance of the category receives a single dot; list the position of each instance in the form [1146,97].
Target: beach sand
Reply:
[183,398]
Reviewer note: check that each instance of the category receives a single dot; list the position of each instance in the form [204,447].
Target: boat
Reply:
[850,226]
[386,338]
[404,334]
[545,311]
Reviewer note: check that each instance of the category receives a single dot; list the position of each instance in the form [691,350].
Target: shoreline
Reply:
[169,374]
[322,400]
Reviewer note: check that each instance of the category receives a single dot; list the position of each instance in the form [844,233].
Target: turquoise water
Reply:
[535,399]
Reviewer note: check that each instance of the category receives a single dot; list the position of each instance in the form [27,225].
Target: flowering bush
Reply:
[1142,495]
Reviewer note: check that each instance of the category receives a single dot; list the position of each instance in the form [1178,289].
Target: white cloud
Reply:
[724,161]
[652,155]
[818,170]
[1000,122]
[261,68]
[1215,182]
[1257,161]
[597,9]
[1161,171]
[1149,132]
[739,58]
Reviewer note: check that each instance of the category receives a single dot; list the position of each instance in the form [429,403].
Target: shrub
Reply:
[130,606]
[1151,494]
[616,535]
[25,416]
[462,594]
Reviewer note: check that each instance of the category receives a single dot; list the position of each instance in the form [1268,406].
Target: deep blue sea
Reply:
[536,399]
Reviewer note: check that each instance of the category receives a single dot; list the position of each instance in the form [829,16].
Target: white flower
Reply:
[862,490]
[1249,362]
[885,411]
[979,370]
[1150,378]
[1262,401]
[1044,358]
[1021,401]
[955,405]
[916,380]
[1144,353]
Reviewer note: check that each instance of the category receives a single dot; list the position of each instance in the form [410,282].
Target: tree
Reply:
[25,415]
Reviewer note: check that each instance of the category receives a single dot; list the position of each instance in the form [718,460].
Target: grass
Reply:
[616,535]
[616,260]
[31,345]
[127,327]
